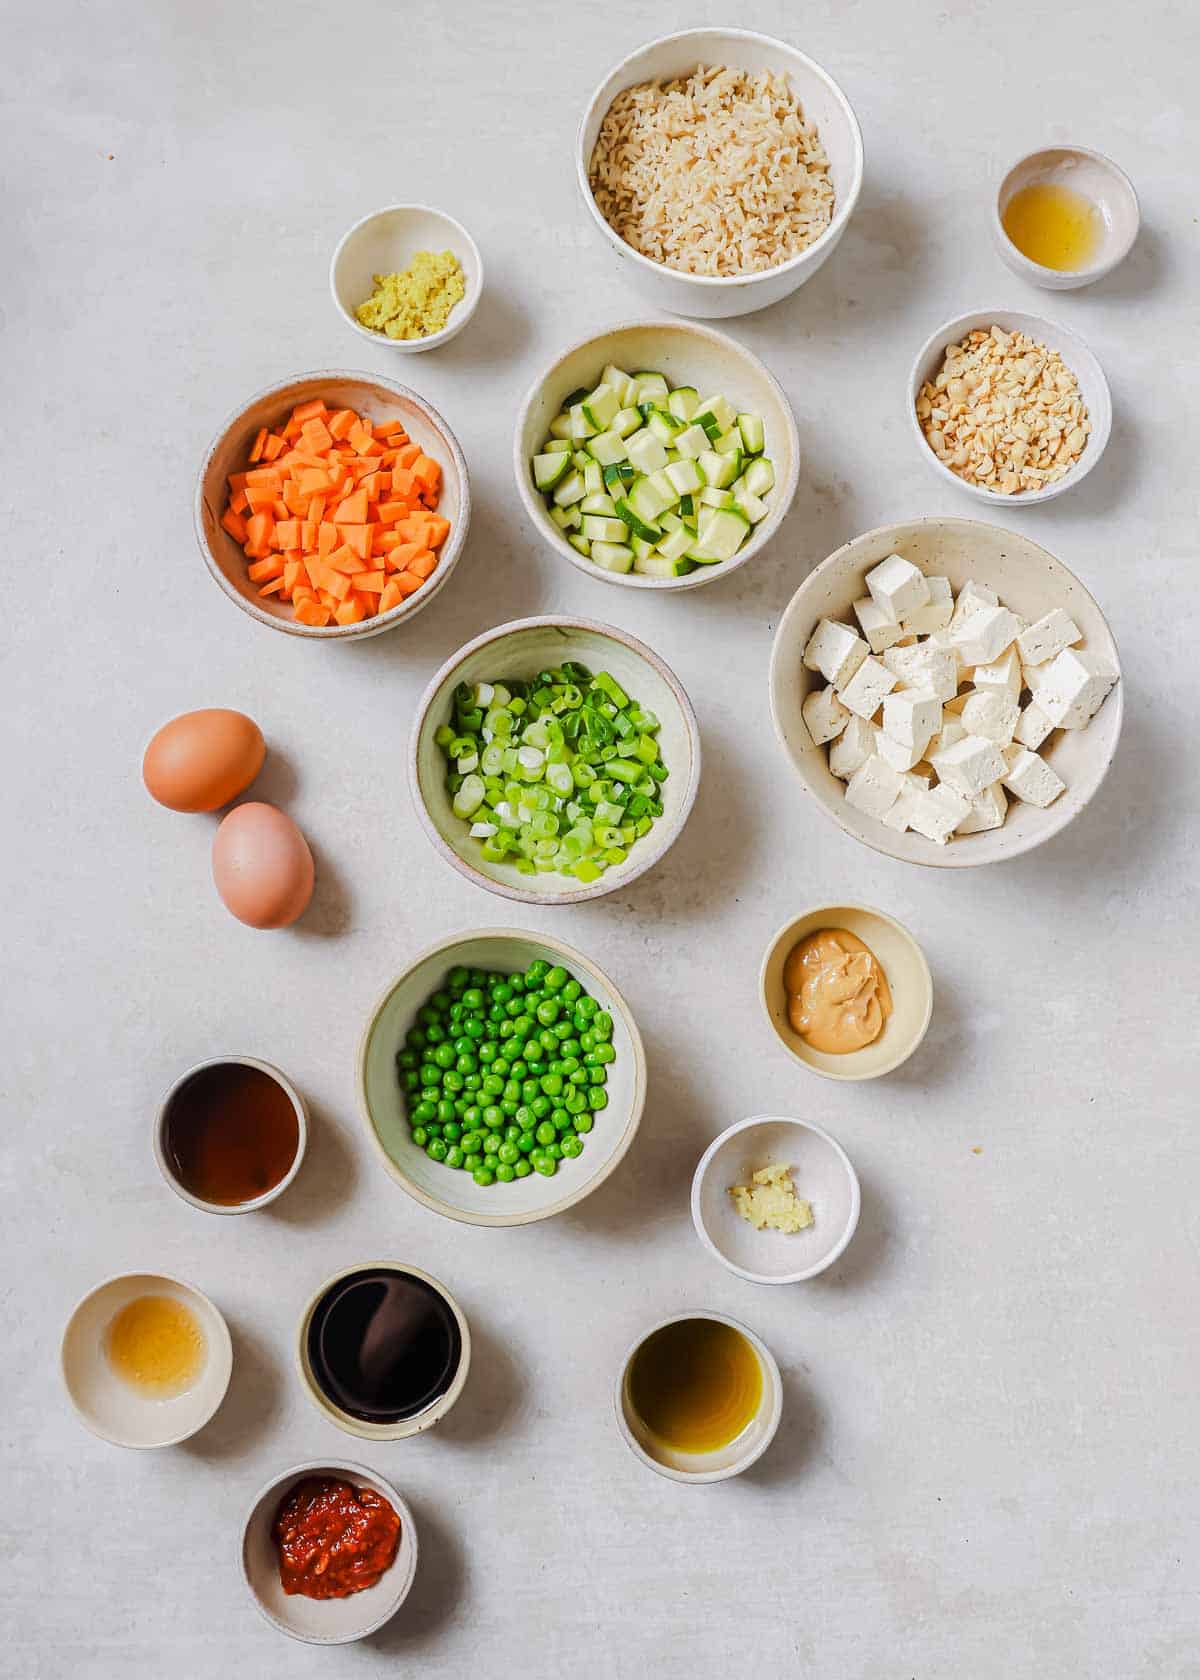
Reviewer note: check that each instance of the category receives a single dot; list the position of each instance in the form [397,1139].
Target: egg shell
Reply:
[201,760]
[262,867]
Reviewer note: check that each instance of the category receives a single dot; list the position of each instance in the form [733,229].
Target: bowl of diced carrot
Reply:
[334,505]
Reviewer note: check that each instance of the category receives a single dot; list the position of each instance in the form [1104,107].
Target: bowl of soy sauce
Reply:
[383,1350]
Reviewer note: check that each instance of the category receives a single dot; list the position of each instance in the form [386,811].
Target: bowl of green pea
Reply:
[501,1077]
[554,760]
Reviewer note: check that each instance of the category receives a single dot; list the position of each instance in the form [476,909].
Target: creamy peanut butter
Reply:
[838,996]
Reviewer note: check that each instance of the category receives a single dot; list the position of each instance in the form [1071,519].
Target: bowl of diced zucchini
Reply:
[660,455]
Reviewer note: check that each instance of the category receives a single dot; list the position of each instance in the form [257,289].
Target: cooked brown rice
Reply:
[712,173]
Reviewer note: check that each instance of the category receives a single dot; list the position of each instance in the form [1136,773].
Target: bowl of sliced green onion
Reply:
[554,760]
[660,455]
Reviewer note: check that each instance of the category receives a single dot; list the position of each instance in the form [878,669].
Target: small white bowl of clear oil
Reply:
[1064,217]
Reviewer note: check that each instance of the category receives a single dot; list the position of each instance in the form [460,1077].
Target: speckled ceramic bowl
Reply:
[385,242]
[1027,579]
[1099,179]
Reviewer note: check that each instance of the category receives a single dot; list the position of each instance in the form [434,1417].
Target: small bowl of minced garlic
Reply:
[775,1200]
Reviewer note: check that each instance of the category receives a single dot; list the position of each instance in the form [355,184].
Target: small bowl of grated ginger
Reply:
[407,276]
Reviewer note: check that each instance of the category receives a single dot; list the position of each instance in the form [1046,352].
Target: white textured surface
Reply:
[988,1460]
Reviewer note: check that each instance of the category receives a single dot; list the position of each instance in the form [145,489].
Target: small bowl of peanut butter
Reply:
[847,991]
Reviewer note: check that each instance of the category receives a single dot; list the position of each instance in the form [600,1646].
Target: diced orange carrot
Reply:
[234,524]
[340,423]
[404,482]
[273,448]
[372,582]
[427,473]
[258,445]
[314,410]
[257,499]
[357,537]
[316,436]
[287,534]
[327,538]
[423,565]
[391,597]
[363,442]
[403,553]
[315,615]
[238,501]
[385,541]
[389,512]
[353,511]
[258,529]
[308,533]
[438,529]
[409,455]
[294,499]
[407,582]
[294,572]
[350,612]
[344,559]
[261,570]
[315,510]
[314,481]
[275,587]
[337,583]
[266,475]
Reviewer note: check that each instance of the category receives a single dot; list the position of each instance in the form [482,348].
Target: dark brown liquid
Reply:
[231,1134]
[383,1345]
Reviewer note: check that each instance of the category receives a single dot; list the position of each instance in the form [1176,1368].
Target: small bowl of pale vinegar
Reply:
[1064,217]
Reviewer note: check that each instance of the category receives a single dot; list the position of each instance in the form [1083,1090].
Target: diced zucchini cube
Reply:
[692,442]
[751,428]
[607,448]
[683,402]
[647,452]
[685,475]
[612,557]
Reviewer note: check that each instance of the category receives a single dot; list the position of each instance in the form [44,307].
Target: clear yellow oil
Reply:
[696,1384]
[1054,225]
[157,1346]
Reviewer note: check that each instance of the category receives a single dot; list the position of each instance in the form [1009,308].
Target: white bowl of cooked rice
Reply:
[722,167]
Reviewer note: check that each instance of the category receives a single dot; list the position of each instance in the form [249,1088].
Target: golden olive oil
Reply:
[1054,225]
[696,1385]
[157,1346]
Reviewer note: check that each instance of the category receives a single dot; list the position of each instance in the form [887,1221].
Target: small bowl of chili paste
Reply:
[329,1551]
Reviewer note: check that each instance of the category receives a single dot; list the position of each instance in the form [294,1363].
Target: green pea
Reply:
[505,1173]
[563,1030]
[445,1111]
[420,1136]
[587,1041]
[597,1098]
[548,1012]
[559,1118]
[604,1053]
[473,1161]
[522,1169]
[571,1146]
[441,1001]
[435,1033]
[474,1029]
[457,979]
[484,1176]
[545,1133]
[546,1165]
[430,1075]
[472,1116]
[424,1111]
[497,1016]
[530,1089]
[415,1039]
[547,1040]
[452,1130]
[436,1149]
[552,1084]
[431,1094]
[433,1129]
[472,998]
[525,1117]
[556,979]
[514,1008]
[464,1047]
[471,1082]
[491,1143]
[575,1102]
[512,1091]
[407,1059]
[509,1152]
[571,1049]
[583,1123]
[518,1071]
[487,1051]
[427,1016]
[527,1143]
[509,1107]
[597,1076]
[516,982]
[602,1026]
[454,1156]
[571,991]
[537,972]
[501,992]
[471,1142]
[493,1085]
[580,1076]
[465,1064]
[540,1107]
[410,1079]
[554,1150]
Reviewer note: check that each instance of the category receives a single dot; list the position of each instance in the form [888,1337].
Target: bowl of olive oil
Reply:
[699,1398]
[1065,216]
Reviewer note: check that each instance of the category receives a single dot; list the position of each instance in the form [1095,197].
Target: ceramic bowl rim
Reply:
[404,1427]
[933,856]
[225,1349]
[411,346]
[907,938]
[1038,272]
[351,1468]
[843,1242]
[451,549]
[1079,353]
[782,496]
[606,884]
[571,958]
[716,283]
[771,1369]
[160,1129]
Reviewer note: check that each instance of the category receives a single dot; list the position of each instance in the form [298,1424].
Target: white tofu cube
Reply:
[1032,676]
[911,717]
[865,691]
[900,815]
[951,732]
[1002,676]
[985,635]
[969,765]
[925,666]
[835,651]
[937,814]
[824,715]
[874,788]
[936,612]
[1033,726]
[852,749]
[881,631]
[971,597]
[991,714]
[897,587]
[1074,688]
[1047,637]
[988,810]
[1029,777]
[895,753]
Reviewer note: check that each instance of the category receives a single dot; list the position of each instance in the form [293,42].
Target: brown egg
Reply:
[202,760]
[262,866]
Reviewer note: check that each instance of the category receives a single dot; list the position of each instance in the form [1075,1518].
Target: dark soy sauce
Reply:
[383,1345]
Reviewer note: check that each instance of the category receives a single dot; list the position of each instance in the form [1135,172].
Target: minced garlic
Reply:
[770,1201]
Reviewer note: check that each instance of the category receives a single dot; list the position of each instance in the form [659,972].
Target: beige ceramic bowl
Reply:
[401,1430]
[727,1461]
[324,1621]
[1093,388]
[161,1132]
[908,978]
[823,102]
[450,1190]
[1027,579]
[386,242]
[1098,178]
[520,650]
[109,1406]
[822,1175]
[378,399]
[686,355]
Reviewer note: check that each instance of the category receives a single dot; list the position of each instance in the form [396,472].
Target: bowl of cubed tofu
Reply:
[948,691]
[659,455]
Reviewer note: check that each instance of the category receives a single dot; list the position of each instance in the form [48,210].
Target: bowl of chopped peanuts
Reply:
[1009,407]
